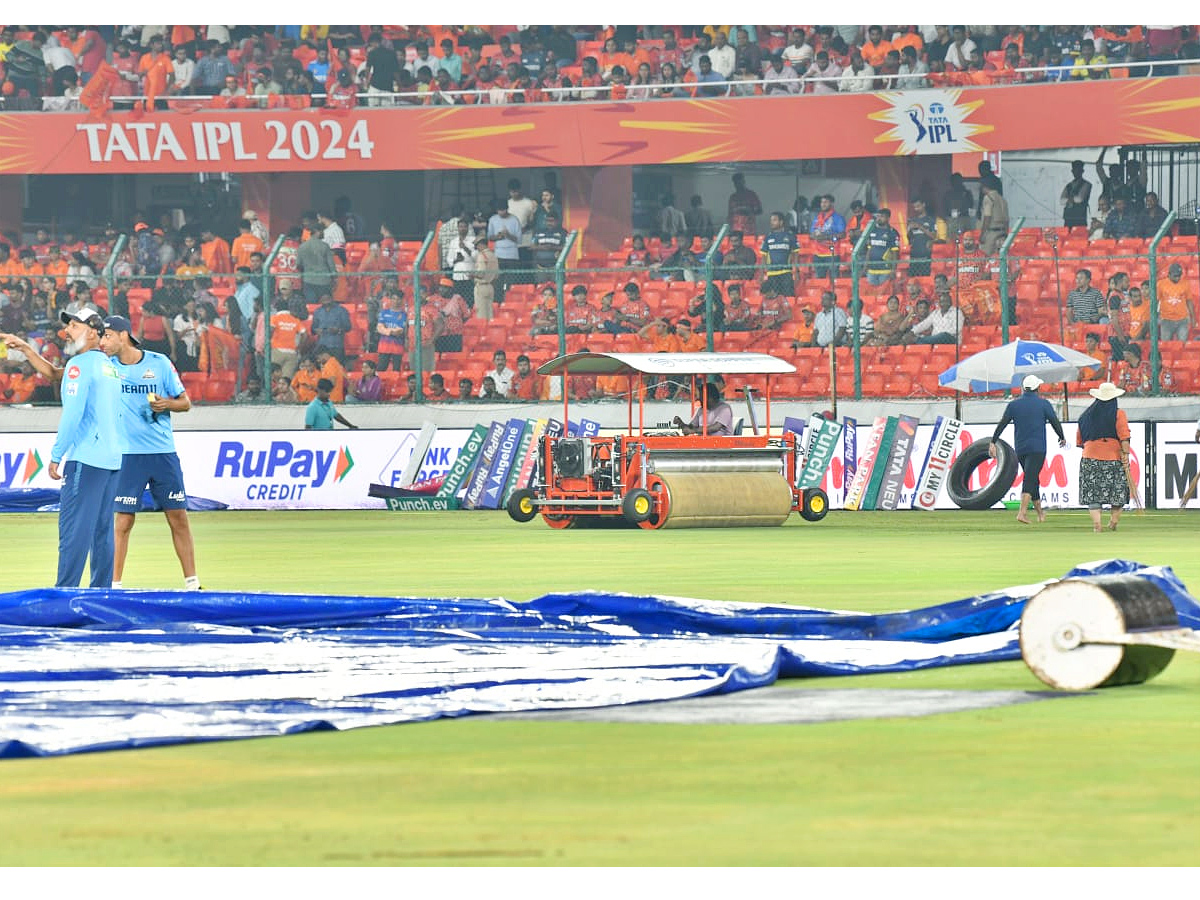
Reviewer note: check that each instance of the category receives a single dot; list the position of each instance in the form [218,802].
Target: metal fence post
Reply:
[414,326]
[1005,309]
[856,301]
[560,284]
[267,296]
[1155,358]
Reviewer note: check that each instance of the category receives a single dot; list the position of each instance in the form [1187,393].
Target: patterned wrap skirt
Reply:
[1102,482]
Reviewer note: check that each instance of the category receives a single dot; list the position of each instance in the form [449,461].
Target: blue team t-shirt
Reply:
[144,430]
[90,428]
[778,245]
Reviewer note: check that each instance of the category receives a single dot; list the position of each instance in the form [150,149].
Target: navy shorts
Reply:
[160,471]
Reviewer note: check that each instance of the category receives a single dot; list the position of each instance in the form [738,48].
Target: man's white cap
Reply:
[1032,383]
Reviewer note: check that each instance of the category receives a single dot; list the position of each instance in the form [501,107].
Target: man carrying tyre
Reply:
[1029,414]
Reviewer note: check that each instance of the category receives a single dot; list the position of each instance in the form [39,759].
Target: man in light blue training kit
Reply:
[150,391]
[89,435]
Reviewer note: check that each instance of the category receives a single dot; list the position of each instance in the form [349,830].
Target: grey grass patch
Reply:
[793,706]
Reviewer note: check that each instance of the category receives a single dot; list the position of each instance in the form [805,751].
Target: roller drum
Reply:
[1059,621]
[681,463]
[726,499]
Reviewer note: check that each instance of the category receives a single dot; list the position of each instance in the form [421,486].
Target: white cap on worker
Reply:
[1032,383]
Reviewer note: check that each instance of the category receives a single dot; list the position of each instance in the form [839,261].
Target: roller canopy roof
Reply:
[667,364]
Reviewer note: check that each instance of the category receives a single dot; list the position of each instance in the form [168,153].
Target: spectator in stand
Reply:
[1176,311]
[187,337]
[245,244]
[392,329]
[634,312]
[740,261]
[671,221]
[857,76]
[942,326]
[154,330]
[638,256]
[288,336]
[453,311]
[958,204]
[1089,65]
[437,392]
[799,53]
[304,382]
[466,391]
[687,340]
[913,71]
[330,325]
[1075,196]
[744,207]
[805,334]
[830,323]
[739,315]
[450,62]
[1138,315]
[779,247]
[1121,222]
[824,75]
[501,376]
[544,316]
[342,93]
[893,323]
[710,83]
[526,384]
[698,219]
[332,232]
[212,69]
[749,55]
[1152,218]
[548,205]
[263,87]
[1085,303]
[332,370]
[780,77]
[722,56]
[671,82]
[548,242]
[504,229]
[580,317]
[883,248]
[318,268]
[381,68]
[924,230]
[774,311]
[1103,209]
[958,53]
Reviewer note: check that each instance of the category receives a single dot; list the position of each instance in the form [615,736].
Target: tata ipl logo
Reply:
[23,465]
[929,122]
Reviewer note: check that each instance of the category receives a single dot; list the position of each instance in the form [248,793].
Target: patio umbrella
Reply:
[1001,368]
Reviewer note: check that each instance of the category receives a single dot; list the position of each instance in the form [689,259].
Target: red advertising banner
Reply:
[900,123]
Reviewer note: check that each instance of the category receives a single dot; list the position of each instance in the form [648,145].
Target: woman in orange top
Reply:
[1104,469]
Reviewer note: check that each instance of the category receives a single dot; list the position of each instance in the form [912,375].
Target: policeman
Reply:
[89,434]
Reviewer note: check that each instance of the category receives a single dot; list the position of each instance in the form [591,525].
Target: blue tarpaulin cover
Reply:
[46,500]
[94,669]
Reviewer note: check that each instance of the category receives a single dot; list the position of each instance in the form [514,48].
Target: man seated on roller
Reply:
[720,415]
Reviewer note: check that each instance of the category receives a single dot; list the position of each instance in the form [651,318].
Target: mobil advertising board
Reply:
[268,469]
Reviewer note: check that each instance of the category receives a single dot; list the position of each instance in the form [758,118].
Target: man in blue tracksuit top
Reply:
[151,390]
[89,434]
[1029,414]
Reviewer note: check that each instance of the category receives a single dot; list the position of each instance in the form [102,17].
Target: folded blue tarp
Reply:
[96,669]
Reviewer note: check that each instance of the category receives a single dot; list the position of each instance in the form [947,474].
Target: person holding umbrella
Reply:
[1029,414]
[1104,476]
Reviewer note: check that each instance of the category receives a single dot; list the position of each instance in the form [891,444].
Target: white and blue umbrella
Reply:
[1001,368]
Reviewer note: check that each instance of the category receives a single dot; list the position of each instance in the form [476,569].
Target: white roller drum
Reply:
[1071,632]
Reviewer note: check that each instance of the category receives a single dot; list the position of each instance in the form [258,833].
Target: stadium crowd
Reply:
[50,67]
[342,304]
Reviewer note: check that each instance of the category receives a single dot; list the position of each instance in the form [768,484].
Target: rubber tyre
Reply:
[521,506]
[814,505]
[558,520]
[637,506]
[970,460]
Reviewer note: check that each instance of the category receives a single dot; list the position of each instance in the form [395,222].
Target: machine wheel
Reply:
[814,505]
[970,460]
[521,505]
[637,505]
[662,504]
[558,520]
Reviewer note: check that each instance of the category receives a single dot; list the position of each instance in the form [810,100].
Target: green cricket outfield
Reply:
[1109,778]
